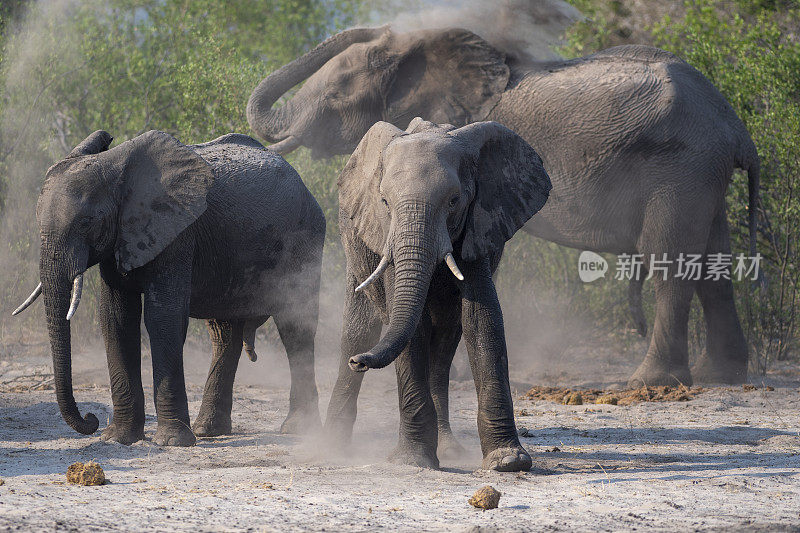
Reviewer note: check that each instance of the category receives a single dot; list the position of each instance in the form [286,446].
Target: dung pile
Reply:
[88,474]
[613,396]
[486,497]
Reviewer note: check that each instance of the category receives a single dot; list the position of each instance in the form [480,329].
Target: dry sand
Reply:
[726,459]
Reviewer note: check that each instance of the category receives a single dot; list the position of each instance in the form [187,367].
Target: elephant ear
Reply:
[96,142]
[359,186]
[447,76]
[511,185]
[165,188]
[80,156]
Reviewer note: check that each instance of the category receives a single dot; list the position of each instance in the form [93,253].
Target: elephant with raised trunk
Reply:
[639,145]
[424,216]
[224,231]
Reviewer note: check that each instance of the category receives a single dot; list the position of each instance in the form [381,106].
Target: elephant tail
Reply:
[748,161]
[746,158]
[753,179]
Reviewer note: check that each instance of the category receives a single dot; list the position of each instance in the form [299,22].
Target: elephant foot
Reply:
[339,433]
[174,433]
[449,448]
[729,372]
[512,459]
[653,372]
[301,422]
[414,455]
[212,426]
[125,434]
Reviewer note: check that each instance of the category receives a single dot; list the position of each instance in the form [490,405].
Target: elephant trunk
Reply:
[57,288]
[415,251]
[273,124]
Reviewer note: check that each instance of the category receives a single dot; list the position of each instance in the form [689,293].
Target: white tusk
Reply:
[77,289]
[378,271]
[32,298]
[451,262]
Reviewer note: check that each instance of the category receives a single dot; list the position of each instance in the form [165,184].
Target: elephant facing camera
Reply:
[424,215]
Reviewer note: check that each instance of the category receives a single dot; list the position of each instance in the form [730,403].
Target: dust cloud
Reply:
[40,54]
[521,28]
[33,135]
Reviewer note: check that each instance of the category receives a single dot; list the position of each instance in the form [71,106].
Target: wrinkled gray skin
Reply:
[412,198]
[639,145]
[224,231]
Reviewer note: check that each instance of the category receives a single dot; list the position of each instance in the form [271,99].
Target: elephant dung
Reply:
[561,395]
[607,399]
[88,474]
[574,398]
[486,497]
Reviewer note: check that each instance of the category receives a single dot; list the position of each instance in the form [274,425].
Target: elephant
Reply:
[225,231]
[639,145]
[413,206]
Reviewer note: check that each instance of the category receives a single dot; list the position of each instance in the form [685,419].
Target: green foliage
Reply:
[591,34]
[186,67]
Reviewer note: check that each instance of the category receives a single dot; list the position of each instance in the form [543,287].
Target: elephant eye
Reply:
[453,201]
[385,203]
[85,223]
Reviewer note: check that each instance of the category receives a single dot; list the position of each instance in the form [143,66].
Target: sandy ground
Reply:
[726,459]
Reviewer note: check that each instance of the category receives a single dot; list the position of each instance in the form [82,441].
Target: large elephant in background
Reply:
[640,148]
[224,231]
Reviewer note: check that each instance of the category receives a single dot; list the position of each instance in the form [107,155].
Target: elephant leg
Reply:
[361,329]
[484,334]
[120,318]
[214,418]
[444,341]
[418,429]
[297,334]
[725,357]
[678,223]
[166,316]
[667,359]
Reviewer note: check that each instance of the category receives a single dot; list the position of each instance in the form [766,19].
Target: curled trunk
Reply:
[273,124]
[56,289]
[415,253]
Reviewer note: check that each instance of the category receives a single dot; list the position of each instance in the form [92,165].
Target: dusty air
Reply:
[510,265]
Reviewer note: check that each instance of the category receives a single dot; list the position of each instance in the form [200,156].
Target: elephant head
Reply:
[432,194]
[127,203]
[361,76]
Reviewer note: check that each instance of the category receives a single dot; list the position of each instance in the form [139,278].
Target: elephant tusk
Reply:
[372,277]
[77,289]
[32,298]
[451,263]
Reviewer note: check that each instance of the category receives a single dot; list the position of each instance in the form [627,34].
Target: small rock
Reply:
[607,399]
[486,497]
[573,398]
[2,482]
[88,474]
[522,431]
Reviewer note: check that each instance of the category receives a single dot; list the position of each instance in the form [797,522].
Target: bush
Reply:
[70,67]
